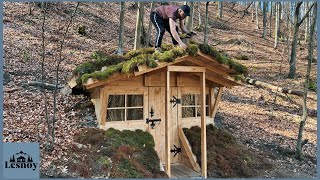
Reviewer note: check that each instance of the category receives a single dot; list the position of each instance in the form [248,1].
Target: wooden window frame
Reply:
[195,106]
[125,107]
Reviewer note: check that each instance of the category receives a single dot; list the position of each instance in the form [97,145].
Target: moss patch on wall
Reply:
[114,154]
[225,157]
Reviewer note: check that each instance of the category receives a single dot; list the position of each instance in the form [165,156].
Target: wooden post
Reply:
[214,108]
[168,127]
[203,126]
[211,100]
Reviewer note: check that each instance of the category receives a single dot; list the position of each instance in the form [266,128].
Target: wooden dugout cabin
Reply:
[181,94]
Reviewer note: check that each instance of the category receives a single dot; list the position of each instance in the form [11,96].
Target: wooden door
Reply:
[156,101]
[174,126]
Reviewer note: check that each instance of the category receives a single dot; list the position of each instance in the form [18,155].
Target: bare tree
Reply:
[307,23]
[270,17]
[149,26]
[257,14]
[276,31]
[206,25]
[297,24]
[121,29]
[220,9]
[306,85]
[264,13]
[137,39]
[189,22]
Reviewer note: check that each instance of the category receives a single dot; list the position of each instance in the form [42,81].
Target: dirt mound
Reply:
[226,158]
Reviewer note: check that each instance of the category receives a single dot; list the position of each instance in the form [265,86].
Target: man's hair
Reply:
[185,9]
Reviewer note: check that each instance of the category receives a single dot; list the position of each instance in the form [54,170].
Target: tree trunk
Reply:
[306,88]
[121,29]
[252,12]
[137,39]
[257,14]
[276,31]
[206,25]
[270,17]
[292,63]
[189,21]
[150,26]
[220,9]
[264,12]
[307,24]
[273,87]
[59,60]
[199,15]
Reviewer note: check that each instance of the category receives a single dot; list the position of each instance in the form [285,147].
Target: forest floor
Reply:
[266,122]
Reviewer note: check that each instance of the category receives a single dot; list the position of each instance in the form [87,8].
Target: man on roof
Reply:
[164,18]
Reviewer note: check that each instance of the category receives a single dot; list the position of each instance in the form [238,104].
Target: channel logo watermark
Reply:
[21,160]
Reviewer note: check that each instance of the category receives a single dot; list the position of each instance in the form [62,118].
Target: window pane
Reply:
[199,99]
[188,112]
[135,114]
[188,99]
[199,111]
[115,115]
[116,101]
[134,100]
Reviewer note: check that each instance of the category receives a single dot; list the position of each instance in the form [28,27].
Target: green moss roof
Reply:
[130,61]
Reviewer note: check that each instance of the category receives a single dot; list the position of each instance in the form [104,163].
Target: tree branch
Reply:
[306,15]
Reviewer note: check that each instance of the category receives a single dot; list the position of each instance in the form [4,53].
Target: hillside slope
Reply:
[265,121]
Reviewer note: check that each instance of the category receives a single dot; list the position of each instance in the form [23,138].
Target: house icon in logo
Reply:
[21,159]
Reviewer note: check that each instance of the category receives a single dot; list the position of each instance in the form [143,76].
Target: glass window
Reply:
[115,114]
[188,99]
[134,100]
[135,114]
[116,101]
[125,107]
[191,105]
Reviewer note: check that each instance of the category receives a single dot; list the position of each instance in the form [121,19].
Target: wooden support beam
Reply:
[203,126]
[215,62]
[186,69]
[214,108]
[103,106]
[187,147]
[211,100]
[95,83]
[168,126]
[211,68]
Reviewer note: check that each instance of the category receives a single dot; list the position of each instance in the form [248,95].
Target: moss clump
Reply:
[192,49]
[239,68]
[178,52]
[167,56]
[242,57]
[82,30]
[312,85]
[151,63]
[167,47]
[134,53]
[100,61]
[101,75]
[225,157]
[239,77]
[130,65]
[122,154]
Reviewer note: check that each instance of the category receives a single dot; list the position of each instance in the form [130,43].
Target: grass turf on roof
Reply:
[130,61]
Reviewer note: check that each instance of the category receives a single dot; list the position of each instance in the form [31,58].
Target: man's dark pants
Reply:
[161,25]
